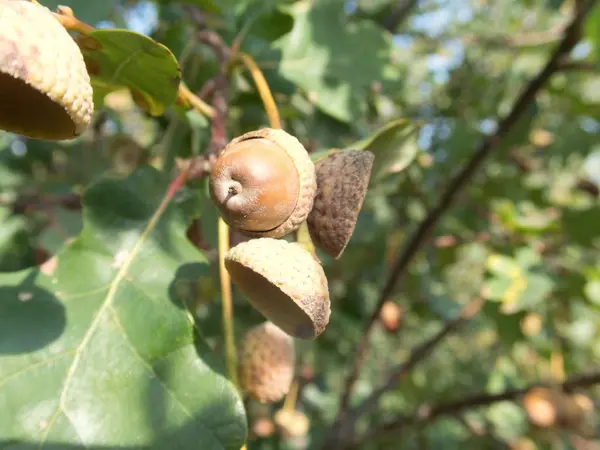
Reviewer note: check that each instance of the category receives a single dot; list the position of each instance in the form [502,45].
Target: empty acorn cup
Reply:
[284,282]
[45,89]
[266,364]
[342,182]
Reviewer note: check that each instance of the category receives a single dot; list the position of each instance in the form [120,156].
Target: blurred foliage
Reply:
[419,86]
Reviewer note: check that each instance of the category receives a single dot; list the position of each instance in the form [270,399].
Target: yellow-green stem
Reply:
[227,304]
[188,99]
[290,399]
[263,89]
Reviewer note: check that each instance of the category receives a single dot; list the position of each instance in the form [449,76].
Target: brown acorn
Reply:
[551,407]
[342,182]
[391,316]
[45,89]
[541,404]
[284,283]
[263,183]
[266,364]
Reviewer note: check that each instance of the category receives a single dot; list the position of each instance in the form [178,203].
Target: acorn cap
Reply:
[266,364]
[45,90]
[284,283]
[342,182]
[306,178]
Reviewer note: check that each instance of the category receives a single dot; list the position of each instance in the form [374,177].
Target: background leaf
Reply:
[315,56]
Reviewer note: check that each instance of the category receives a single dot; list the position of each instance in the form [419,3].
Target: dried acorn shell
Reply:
[284,283]
[266,363]
[342,182]
[263,183]
[45,89]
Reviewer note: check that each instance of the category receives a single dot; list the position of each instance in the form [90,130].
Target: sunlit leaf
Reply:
[124,58]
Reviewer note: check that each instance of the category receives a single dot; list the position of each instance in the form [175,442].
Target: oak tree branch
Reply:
[455,187]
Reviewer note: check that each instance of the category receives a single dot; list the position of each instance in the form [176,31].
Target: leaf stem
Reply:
[292,396]
[263,89]
[68,20]
[188,99]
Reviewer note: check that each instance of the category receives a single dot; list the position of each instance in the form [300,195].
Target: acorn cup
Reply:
[284,283]
[45,90]
[342,182]
[266,364]
[263,183]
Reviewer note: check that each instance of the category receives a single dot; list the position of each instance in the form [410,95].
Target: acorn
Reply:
[551,407]
[541,405]
[291,423]
[266,364]
[391,316]
[284,283]
[263,183]
[342,182]
[45,90]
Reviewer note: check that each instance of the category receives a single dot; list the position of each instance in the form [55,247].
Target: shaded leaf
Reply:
[99,350]
[394,146]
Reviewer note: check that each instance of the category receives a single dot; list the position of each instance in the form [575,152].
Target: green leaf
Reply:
[267,20]
[502,265]
[118,57]
[206,5]
[394,145]
[99,350]
[592,29]
[333,59]
[592,291]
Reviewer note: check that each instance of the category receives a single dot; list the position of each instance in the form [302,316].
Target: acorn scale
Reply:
[45,89]
[284,282]
[342,182]
[266,363]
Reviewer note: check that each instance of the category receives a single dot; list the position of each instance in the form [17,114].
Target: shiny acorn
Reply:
[263,183]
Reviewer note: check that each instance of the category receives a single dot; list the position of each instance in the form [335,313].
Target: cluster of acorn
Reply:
[265,185]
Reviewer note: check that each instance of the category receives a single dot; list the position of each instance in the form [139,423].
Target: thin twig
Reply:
[455,187]
[426,414]
[399,14]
